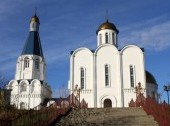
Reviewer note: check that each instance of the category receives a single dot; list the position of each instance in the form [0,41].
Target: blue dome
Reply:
[150,78]
[33,44]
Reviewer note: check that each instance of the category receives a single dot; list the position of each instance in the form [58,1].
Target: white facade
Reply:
[108,75]
[36,69]
[29,87]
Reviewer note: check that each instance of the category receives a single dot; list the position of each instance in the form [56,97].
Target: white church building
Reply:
[107,76]
[104,77]
[30,88]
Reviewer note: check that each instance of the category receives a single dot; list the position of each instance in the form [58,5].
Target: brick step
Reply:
[125,119]
[114,122]
[108,117]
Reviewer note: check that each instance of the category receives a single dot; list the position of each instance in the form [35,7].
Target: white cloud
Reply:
[155,37]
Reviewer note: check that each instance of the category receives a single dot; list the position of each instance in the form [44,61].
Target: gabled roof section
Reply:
[33,44]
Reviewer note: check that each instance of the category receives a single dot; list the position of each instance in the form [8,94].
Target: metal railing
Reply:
[160,112]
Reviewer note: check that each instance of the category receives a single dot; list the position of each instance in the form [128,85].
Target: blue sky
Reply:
[69,24]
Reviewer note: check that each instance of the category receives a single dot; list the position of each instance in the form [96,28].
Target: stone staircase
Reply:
[107,117]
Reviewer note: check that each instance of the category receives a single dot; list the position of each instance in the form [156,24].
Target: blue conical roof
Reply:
[33,44]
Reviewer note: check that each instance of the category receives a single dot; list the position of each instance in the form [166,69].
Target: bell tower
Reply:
[30,87]
[31,63]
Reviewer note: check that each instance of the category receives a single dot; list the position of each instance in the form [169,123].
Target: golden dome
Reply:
[107,25]
[35,19]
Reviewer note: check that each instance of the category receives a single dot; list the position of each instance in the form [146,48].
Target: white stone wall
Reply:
[82,58]
[132,55]
[119,89]
[32,97]
[108,54]
[87,95]
[31,72]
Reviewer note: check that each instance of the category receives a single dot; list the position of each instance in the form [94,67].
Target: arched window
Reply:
[132,80]
[37,64]
[82,78]
[23,87]
[107,37]
[107,78]
[26,63]
[22,105]
[100,39]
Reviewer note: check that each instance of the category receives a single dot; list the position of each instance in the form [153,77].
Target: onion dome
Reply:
[107,25]
[35,19]
[150,78]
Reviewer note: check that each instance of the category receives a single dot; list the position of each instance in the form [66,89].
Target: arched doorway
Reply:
[107,103]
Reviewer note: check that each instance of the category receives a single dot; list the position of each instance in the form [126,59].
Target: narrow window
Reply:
[82,78]
[37,64]
[23,87]
[100,39]
[18,65]
[26,63]
[132,76]
[107,37]
[106,75]
[113,38]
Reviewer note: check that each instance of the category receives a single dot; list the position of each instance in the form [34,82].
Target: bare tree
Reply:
[3,81]
[4,93]
[62,91]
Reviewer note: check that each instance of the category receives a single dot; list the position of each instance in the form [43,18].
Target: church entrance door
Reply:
[107,103]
